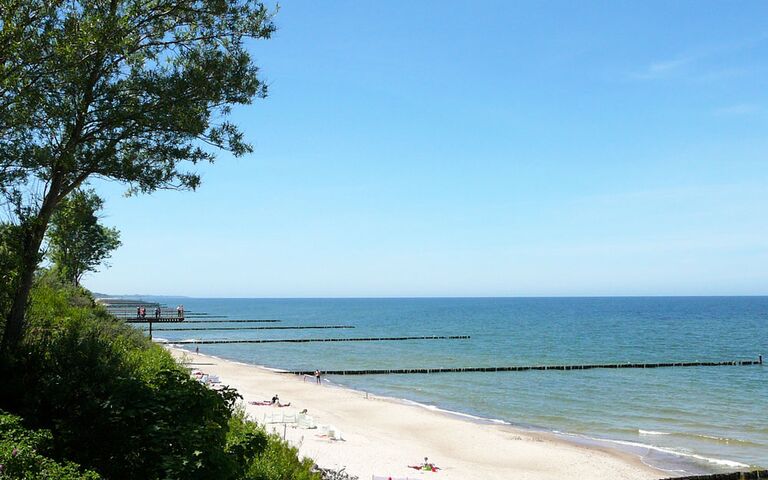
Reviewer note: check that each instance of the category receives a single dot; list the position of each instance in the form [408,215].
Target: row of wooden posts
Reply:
[312,340]
[515,368]
[522,368]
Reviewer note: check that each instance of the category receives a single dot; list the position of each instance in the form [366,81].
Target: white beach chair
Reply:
[334,433]
[289,418]
[273,418]
[305,421]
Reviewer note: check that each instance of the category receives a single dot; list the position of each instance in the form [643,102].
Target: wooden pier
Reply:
[154,319]
[311,340]
[407,371]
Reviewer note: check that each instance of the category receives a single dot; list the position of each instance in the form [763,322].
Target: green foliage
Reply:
[266,456]
[10,261]
[123,89]
[280,461]
[121,406]
[22,454]
[77,242]
[134,91]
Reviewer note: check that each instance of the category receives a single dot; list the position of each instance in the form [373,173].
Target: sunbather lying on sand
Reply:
[425,467]
[274,402]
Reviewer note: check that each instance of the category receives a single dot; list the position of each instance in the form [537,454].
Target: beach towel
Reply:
[424,469]
[267,403]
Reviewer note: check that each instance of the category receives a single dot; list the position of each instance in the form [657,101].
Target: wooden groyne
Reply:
[406,371]
[752,475]
[233,321]
[289,327]
[309,340]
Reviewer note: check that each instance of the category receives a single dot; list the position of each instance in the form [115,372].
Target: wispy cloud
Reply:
[666,68]
[698,64]
[738,109]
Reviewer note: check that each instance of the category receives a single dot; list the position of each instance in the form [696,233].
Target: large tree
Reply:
[77,242]
[128,90]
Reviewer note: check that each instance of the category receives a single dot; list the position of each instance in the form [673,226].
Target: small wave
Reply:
[700,436]
[670,451]
[455,413]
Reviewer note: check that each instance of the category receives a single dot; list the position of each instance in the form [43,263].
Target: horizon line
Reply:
[407,297]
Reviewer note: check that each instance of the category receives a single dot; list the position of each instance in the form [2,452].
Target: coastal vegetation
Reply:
[77,242]
[124,90]
[134,92]
[89,397]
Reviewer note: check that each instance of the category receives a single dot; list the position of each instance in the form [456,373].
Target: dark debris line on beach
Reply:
[532,367]
[307,340]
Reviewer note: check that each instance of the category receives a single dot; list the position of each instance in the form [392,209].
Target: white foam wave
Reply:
[670,451]
[715,438]
[455,413]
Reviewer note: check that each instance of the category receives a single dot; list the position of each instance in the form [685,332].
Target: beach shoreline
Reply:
[382,436]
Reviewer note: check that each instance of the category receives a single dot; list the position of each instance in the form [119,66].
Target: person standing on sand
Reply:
[317,376]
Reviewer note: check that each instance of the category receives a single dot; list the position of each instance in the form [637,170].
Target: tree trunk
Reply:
[30,257]
[14,326]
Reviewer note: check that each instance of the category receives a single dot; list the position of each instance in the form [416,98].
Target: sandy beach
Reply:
[382,437]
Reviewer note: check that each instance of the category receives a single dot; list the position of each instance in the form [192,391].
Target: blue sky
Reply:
[479,149]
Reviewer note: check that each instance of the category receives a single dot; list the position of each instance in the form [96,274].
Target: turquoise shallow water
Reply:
[696,420]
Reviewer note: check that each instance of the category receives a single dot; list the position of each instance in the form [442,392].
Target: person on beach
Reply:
[178,311]
[138,312]
[275,400]
[317,376]
[143,312]
[157,311]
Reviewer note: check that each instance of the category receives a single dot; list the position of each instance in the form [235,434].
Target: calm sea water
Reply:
[696,420]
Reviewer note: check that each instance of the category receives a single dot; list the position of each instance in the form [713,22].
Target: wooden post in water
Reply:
[150,328]
[760,359]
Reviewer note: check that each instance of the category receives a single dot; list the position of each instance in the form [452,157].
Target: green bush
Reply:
[22,454]
[113,401]
[118,404]
[269,458]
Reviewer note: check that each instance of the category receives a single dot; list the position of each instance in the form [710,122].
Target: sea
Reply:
[685,420]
